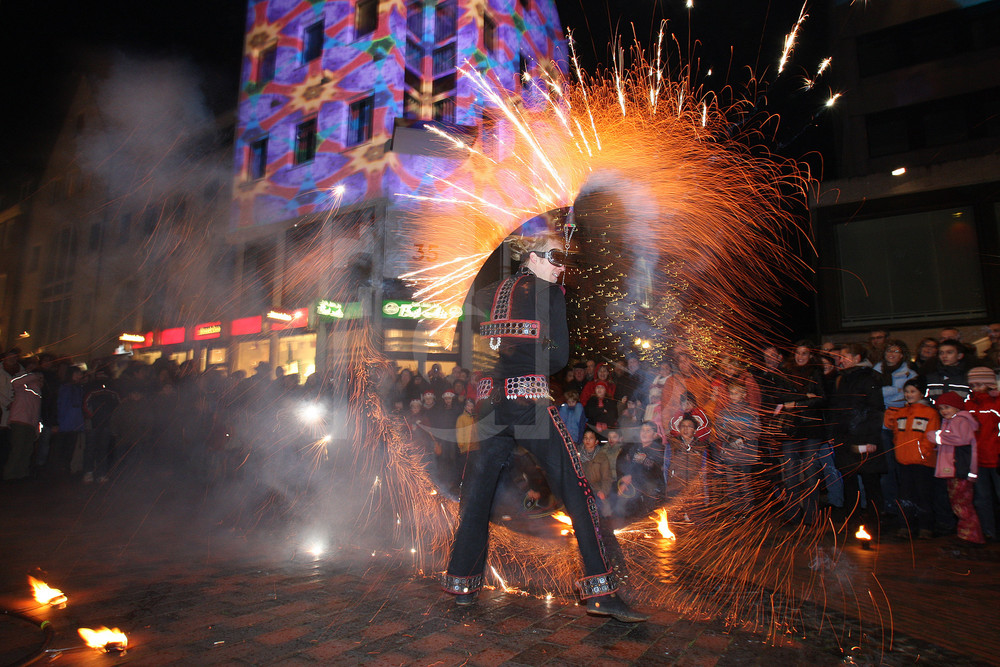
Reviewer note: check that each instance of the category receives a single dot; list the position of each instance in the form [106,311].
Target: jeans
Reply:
[916,496]
[97,451]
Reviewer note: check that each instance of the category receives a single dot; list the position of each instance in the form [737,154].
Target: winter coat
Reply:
[909,425]
[602,411]
[854,412]
[99,404]
[465,432]
[892,394]
[986,409]
[948,378]
[575,419]
[70,407]
[956,449]
[805,420]
[26,405]
[597,470]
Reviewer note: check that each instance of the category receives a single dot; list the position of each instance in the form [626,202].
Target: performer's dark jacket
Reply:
[532,299]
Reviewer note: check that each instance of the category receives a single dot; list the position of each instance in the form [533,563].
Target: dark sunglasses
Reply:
[555,257]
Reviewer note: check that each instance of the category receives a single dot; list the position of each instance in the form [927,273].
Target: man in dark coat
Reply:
[854,412]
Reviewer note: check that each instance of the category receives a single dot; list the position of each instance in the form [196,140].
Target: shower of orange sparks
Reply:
[44,594]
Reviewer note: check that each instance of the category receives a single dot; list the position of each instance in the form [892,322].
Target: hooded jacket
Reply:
[956,447]
[986,409]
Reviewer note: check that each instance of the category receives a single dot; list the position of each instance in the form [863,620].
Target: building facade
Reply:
[909,227]
[331,138]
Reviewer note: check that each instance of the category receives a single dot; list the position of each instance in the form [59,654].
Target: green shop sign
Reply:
[418,310]
[336,310]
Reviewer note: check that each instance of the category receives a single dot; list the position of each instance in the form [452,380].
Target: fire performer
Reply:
[528,328]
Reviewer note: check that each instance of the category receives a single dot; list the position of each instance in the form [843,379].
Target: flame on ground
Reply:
[663,526]
[104,639]
[45,594]
[862,534]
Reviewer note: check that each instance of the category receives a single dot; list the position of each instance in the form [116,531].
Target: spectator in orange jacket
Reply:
[916,458]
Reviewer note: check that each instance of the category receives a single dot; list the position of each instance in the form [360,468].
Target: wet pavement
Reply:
[190,587]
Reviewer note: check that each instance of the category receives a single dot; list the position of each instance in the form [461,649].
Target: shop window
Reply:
[362,118]
[444,59]
[919,267]
[258,159]
[266,65]
[444,110]
[445,17]
[312,42]
[305,141]
[489,34]
[365,17]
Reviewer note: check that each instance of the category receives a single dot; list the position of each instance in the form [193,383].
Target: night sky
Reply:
[47,40]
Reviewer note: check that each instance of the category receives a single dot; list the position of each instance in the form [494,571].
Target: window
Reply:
[365,17]
[305,141]
[411,106]
[414,56]
[891,268]
[415,19]
[445,15]
[258,159]
[312,42]
[443,84]
[444,59]
[94,242]
[361,120]
[444,110]
[489,34]
[266,64]
[951,120]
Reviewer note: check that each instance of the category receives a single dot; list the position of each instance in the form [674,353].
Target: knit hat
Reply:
[601,383]
[982,375]
[448,393]
[428,393]
[950,398]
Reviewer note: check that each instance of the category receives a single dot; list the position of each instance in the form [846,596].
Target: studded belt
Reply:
[522,386]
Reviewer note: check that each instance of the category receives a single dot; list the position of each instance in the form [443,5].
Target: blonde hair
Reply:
[522,246]
[542,233]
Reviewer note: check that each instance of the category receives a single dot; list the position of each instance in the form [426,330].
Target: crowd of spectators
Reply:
[874,433]
[866,432]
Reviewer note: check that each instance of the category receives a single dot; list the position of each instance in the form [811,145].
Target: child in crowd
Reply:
[738,430]
[984,404]
[640,473]
[601,409]
[916,457]
[689,407]
[573,415]
[597,470]
[685,472]
[957,462]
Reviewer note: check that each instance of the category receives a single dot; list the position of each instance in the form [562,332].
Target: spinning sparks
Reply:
[790,39]
[44,594]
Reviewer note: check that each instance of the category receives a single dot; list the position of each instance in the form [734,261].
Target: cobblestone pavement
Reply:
[189,591]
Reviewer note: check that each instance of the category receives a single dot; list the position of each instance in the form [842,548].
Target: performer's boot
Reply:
[466,598]
[613,606]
